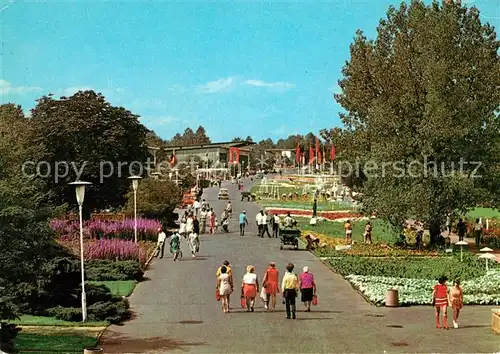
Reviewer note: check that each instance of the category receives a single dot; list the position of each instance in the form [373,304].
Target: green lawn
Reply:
[297,204]
[57,343]
[29,320]
[487,213]
[381,230]
[118,287]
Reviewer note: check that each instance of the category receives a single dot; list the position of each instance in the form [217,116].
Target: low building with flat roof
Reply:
[213,154]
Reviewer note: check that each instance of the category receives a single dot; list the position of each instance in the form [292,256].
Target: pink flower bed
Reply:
[146,229]
[111,249]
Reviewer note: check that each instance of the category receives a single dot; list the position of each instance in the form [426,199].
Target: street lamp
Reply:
[488,256]
[462,244]
[135,183]
[80,196]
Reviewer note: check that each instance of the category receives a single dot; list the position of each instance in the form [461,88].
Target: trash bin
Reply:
[392,298]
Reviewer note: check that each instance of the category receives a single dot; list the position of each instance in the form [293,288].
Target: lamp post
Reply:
[135,184]
[462,244]
[80,196]
[487,256]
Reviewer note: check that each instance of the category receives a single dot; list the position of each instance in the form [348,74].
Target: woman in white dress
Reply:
[225,288]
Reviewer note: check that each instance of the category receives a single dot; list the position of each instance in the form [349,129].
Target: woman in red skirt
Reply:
[271,283]
[440,301]
[250,287]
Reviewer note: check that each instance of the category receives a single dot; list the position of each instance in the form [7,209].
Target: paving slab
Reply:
[176,311]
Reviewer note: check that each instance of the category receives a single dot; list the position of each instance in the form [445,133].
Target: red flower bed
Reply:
[331,215]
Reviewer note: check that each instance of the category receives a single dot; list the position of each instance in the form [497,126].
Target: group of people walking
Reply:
[290,287]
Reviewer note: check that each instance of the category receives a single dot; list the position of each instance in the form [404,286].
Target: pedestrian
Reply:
[229,209]
[449,223]
[230,272]
[348,232]
[461,229]
[212,221]
[315,208]
[271,283]
[440,301]
[225,288]
[182,226]
[225,221]
[276,225]
[478,227]
[307,287]
[265,225]
[250,287]
[197,206]
[160,246]
[243,222]
[175,246]
[368,233]
[194,239]
[288,222]
[259,219]
[290,288]
[203,221]
[419,239]
[189,225]
[456,301]
[204,204]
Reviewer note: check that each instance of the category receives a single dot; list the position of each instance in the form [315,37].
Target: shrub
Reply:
[8,333]
[97,293]
[100,270]
[114,311]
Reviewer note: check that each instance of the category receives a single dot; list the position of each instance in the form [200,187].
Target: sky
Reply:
[264,69]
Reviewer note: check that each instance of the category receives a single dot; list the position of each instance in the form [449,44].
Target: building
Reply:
[215,155]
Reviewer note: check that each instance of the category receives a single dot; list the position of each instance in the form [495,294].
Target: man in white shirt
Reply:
[197,206]
[229,208]
[203,221]
[276,224]
[288,222]
[259,219]
[265,227]
[189,225]
[161,242]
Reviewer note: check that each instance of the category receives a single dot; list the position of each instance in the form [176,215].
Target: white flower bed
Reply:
[484,290]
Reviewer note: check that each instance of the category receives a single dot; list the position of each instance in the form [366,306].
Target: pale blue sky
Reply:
[237,68]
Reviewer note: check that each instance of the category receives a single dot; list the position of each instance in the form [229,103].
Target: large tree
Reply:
[108,143]
[424,93]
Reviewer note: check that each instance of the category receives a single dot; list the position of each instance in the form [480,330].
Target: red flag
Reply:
[297,154]
[332,152]
[311,154]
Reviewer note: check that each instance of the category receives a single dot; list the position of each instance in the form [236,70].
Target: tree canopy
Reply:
[107,143]
[424,93]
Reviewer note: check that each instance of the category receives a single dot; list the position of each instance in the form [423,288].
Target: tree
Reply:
[156,199]
[108,143]
[237,140]
[201,137]
[425,94]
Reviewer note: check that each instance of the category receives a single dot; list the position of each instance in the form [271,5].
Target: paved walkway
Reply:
[176,311]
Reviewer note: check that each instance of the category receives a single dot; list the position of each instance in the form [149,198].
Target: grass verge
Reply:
[118,287]
[382,232]
[29,320]
[53,343]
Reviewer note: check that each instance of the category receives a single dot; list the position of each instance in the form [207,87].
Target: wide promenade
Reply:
[176,311]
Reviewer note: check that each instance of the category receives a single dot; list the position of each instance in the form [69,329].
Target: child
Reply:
[440,301]
[456,301]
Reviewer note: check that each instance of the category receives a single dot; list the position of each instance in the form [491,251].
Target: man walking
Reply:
[276,225]
[243,222]
[160,246]
[197,206]
[194,240]
[259,219]
[290,287]
[203,220]
[265,227]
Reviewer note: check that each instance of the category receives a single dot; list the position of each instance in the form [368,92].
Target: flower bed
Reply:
[330,215]
[146,229]
[114,249]
[492,235]
[484,290]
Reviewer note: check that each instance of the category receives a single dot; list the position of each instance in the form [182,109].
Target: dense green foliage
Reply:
[420,97]
[101,270]
[410,267]
[107,143]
